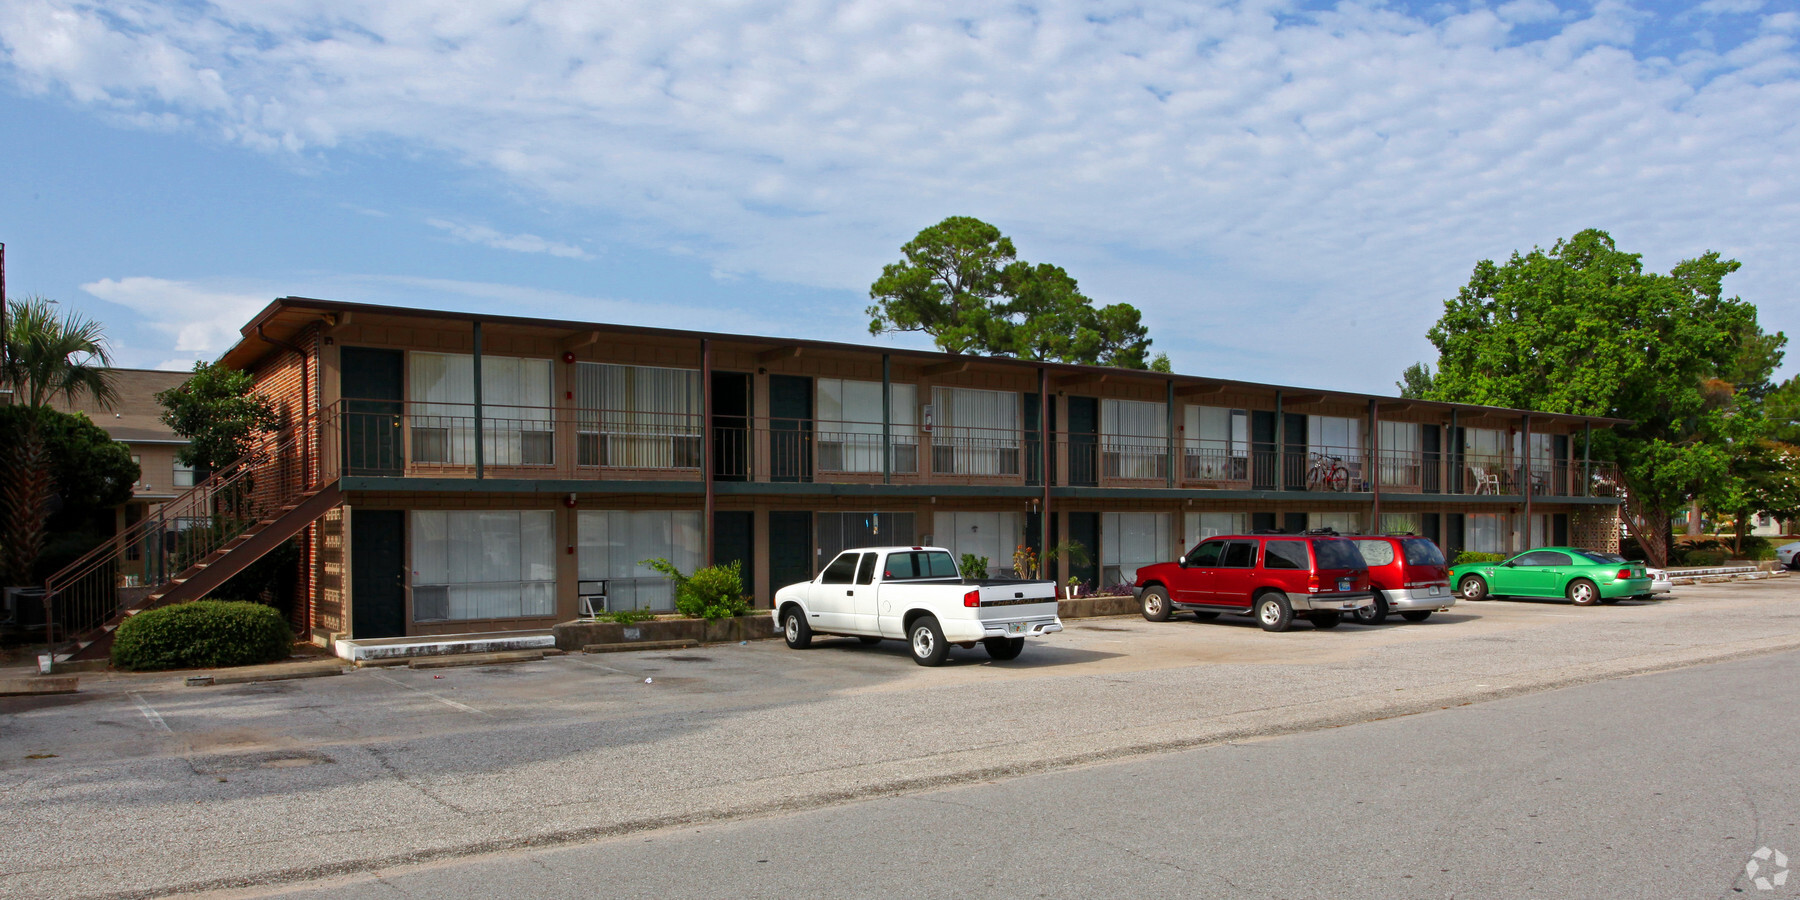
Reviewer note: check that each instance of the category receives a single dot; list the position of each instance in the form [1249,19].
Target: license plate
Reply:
[1434,590]
[1343,584]
[1015,628]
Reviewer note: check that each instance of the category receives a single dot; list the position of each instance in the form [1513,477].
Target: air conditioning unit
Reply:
[593,598]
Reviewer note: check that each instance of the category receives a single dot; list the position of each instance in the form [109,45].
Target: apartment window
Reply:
[1400,459]
[1218,444]
[1134,438]
[612,545]
[848,430]
[1484,532]
[1340,522]
[638,417]
[995,535]
[1200,526]
[977,432]
[1130,541]
[840,531]
[486,564]
[515,410]
[182,477]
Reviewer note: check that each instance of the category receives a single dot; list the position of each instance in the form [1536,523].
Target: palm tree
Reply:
[47,356]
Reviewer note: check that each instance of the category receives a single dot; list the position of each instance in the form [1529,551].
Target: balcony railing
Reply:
[383,438]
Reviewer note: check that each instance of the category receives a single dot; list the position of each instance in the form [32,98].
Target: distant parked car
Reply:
[1659,579]
[1583,577]
[1274,577]
[1789,555]
[1407,574]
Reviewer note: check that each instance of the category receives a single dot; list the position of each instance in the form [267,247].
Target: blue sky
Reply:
[1287,190]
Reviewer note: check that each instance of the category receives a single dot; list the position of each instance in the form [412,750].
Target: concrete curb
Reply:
[39,684]
[475,659]
[641,645]
[296,670]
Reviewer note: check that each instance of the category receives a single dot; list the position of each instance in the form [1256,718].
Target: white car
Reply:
[917,595]
[1659,581]
[1789,555]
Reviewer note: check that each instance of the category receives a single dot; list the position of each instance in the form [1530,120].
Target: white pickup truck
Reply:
[915,594]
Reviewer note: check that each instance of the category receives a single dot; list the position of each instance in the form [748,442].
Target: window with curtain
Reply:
[1130,541]
[1484,455]
[1341,522]
[638,417]
[1200,526]
[848,427]
[1484,532]
[995,535]
[516,406]
[1400,459]
[486,564]
[1218,444]
[1134,436]
[976,432]
[611,544]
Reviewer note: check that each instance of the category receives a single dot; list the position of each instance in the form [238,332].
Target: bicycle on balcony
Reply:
[1327,473]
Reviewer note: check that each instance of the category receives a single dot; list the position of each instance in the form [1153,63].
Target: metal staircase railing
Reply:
[135,566]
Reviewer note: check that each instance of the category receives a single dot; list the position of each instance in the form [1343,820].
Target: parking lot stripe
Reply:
[444,700]
[155,717]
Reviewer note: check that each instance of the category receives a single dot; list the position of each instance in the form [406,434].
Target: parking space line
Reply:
[444,700]
[150,713]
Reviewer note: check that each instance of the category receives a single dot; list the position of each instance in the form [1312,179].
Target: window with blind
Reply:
[637,417]
[977,432]
[487,564]
[1200,526]
[993,535]
[1130,541]
[1484,532]
[1340,522]
[516,403]
[612,545]
[1134,439]
[1217,447]
[1400,459]
[848,427]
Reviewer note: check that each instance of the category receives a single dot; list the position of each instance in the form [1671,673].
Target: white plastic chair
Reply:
[1485,483]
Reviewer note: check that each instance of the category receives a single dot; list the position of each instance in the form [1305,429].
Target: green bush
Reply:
[715,592]
[1464,557]
[204,634]
[1702,557]
[628,616]
[974,567]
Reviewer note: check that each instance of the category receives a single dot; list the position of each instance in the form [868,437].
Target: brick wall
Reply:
[1595,528]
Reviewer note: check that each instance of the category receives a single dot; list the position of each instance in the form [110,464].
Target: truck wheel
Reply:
[870,640]
[1324,620]
[1375,613]
[1582,592]
[1156,604]
[795,631]
[1473,588]
[1274,611]
[1003,648]
[927,642]
[1417,615]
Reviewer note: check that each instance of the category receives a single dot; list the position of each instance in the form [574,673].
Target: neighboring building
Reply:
[466,473]
[135,419]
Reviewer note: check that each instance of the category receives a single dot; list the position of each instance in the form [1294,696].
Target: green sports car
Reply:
[1583,577]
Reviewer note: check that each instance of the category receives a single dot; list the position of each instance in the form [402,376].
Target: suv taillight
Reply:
[972,599]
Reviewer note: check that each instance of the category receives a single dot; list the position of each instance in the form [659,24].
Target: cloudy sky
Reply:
[1287,189]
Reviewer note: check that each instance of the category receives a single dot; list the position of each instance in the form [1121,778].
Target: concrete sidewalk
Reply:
[281,781]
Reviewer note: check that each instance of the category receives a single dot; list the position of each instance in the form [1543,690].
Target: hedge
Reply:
[204,634]
[1465,557]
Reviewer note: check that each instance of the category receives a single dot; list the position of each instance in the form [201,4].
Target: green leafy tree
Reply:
[1415,382]
[961,282]
[86,474]
[216,410]
[1581,328]
[49,355]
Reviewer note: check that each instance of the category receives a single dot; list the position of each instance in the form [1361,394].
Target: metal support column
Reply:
[480,426]
[1452,459]
[1044,463]
[1587,460]
[1374,468]
[1173,459]
[887,419]
[1525,478]
[1280,445]
[706,464]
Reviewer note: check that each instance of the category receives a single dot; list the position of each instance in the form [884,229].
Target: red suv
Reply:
[1408,574]
[1272,576]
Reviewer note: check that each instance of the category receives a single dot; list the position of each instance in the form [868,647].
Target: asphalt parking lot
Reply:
[273,781]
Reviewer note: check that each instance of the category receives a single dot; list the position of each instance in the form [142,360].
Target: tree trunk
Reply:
[1737,539]
[27,491]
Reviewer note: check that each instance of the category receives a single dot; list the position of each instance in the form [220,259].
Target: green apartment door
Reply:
[790,428]
[790,548]
[377,573]
[1084,441]
[373,386]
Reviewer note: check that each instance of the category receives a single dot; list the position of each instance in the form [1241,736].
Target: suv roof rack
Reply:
[1332,532]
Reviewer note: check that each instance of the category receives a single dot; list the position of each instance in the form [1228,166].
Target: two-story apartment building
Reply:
[451,473]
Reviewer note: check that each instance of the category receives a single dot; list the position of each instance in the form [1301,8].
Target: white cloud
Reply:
[1239,174]
[1526,11]
[522,243]
[199,320]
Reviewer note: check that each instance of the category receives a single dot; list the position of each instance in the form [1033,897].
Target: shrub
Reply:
[715,592]
[628,616]
[1702,557]
[973,566]
[204,634]
[1464,557]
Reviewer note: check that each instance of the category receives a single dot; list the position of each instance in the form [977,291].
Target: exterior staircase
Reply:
[187,547]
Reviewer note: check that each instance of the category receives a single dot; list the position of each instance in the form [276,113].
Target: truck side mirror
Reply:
[1182,562]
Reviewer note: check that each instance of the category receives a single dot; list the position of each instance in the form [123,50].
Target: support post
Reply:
[706,466]
[1044,462]
[480,424]
[1280,445]
[1525,477]
[1170,407]
[887,419]
[1374,468]
[1587,460]
[1452,458]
